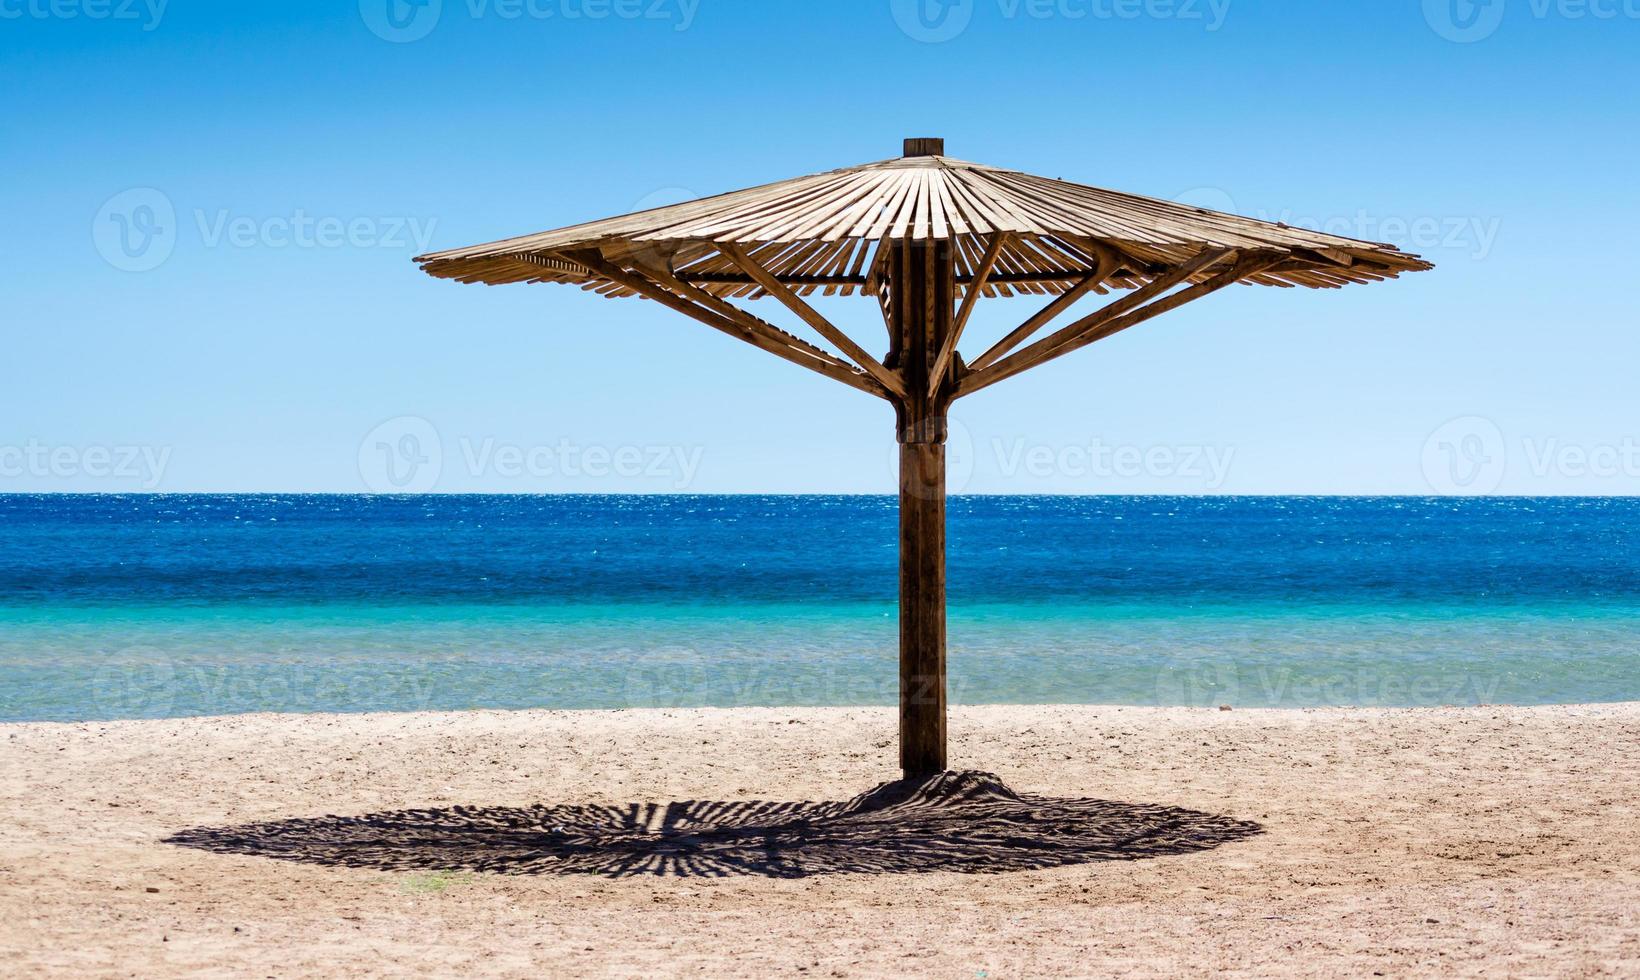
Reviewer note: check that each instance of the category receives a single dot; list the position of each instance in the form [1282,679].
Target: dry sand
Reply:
[1503,841]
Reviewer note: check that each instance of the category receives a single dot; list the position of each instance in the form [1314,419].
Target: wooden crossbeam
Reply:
[1115,308]
[970,298]
[1105,323]
[1107,265]
[735,314]
[743,326]
[869,284]
[808,314]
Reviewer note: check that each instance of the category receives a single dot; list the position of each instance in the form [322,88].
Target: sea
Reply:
[179,605]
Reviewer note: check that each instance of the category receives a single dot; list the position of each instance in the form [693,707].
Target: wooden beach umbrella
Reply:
[927,236]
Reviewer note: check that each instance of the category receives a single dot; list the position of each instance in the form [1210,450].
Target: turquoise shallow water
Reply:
[157,607]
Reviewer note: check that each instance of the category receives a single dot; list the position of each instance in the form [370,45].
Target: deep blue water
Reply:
[146,606]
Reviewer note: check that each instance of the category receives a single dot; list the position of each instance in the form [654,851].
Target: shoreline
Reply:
[1418,841]
[1160,710]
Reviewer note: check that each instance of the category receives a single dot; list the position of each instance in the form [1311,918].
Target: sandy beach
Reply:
[1471,841]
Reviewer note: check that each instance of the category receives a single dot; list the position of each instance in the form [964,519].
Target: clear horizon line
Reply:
[1382,495]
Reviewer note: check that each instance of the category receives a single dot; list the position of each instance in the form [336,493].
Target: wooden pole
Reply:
[922,608]
[922,281]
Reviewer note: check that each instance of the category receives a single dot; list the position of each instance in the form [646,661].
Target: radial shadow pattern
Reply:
[967,822]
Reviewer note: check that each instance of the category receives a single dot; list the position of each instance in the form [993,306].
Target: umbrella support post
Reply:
[922,607]
[922,290]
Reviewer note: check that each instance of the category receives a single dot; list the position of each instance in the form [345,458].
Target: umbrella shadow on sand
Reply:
[966,822]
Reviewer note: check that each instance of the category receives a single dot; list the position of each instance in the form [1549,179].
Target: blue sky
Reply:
[211,208]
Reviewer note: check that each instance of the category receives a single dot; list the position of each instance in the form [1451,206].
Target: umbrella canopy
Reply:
[927,236]
[821,233]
